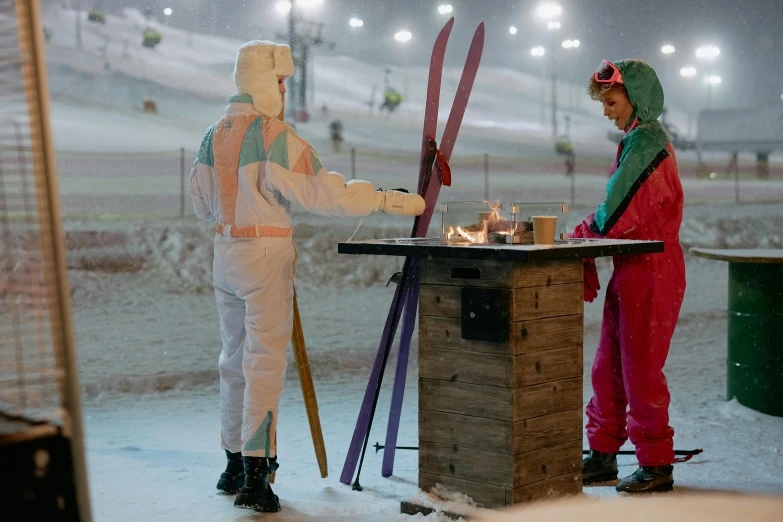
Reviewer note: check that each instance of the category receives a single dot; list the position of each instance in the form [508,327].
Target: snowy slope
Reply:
[189,77]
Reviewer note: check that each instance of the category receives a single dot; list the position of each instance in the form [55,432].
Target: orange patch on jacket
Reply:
[226,146]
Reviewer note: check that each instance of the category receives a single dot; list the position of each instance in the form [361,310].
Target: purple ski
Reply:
[362,429]
[406,294]
[431,197]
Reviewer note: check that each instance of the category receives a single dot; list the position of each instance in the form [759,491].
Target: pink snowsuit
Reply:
[643,298]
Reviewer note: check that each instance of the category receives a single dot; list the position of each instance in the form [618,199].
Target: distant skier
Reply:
[644,200]
[250,167]
[336,135]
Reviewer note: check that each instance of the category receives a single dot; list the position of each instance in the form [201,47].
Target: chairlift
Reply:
[151,38]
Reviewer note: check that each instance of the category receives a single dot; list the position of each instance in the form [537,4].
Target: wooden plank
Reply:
[501,274]
[540,432]
[440,301]
[409,508]
[477,273]
[545,334]
[470,463]
[546,366]
[555,487]
[468,367]
[503,371]
[547,301]
[487,402]
[485,495]
[545,463]
[548,273]
[446,333]
[475,432]
[532,401]
[524,337]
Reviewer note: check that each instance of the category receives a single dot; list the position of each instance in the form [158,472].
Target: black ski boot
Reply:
[599,467]
[234,476]
[256,493]
[648,479]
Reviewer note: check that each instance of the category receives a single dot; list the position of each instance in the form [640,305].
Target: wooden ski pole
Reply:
[306,379]
[308,391]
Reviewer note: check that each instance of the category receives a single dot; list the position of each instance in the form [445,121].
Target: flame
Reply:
[491,223]
[479,236]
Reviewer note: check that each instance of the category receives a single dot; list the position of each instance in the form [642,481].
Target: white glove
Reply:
[401,203]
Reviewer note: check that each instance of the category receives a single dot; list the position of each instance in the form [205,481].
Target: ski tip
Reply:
[480,29]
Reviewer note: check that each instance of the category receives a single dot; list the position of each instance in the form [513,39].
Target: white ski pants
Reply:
[254,290]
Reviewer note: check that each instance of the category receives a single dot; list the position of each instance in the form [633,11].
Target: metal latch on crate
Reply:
[485,314]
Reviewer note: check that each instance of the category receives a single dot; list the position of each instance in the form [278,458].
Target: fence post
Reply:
[486,177]
[182,182]
[736,182]
[353,162]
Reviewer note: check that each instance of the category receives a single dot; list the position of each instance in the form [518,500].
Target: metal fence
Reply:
[154,185]
[124,185]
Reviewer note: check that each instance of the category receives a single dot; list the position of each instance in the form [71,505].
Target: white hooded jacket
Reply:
[250,167]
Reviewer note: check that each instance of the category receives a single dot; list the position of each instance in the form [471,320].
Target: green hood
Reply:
[644,89]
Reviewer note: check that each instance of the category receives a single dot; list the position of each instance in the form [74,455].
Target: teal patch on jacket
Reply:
[644,148]
[253,144]
[278,151]
[316,161]
[260,441]
[241,98]
[205,155]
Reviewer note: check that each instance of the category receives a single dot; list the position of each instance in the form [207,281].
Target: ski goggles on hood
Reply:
[608,73]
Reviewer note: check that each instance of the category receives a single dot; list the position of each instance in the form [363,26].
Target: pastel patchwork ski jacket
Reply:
[250,168]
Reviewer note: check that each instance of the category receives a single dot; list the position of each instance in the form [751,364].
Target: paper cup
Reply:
[544,229]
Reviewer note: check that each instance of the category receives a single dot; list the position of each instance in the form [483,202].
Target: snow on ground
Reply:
[151,400]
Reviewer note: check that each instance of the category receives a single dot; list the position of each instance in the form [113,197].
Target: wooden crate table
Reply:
[500,363]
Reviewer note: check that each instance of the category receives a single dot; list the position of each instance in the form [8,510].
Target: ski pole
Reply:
[378,447]
[397,311]
[676,452]
[685,455]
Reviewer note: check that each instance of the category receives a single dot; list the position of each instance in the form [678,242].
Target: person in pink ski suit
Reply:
[644,200]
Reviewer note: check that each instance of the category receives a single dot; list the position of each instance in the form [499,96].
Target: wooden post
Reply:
[182,182]
[353,162]
[486,177]
[736,179]
[502,421]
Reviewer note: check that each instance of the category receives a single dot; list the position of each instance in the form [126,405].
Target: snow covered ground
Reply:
[150,377]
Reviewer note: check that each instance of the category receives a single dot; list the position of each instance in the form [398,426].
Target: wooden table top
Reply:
[755,255]
[435,248]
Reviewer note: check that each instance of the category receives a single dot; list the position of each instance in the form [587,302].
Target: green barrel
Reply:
[755,362]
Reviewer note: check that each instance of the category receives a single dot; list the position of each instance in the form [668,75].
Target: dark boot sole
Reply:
[230,485]
[660,488]
[596,479]
[249,500]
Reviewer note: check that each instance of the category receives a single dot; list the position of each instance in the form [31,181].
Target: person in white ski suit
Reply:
[250,167]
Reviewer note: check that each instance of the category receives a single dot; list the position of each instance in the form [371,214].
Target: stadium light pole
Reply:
[538,53]
[709,53]
[689,72]
[550,12]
